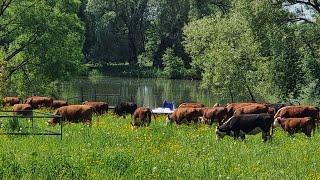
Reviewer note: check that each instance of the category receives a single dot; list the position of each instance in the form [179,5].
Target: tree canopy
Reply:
[41,42]
[255,49]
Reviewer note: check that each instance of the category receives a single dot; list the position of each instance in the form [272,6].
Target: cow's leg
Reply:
[307,131]
[265,136]
[211,121]
[149,120]
[236,134]
[290,132]
[196,122]
[242,137]
[308,134]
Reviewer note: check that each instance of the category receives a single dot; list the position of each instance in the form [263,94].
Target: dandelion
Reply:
[154,169]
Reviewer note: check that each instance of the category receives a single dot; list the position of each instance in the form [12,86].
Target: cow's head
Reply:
[204,120]
[276,122]
[169,120]
[220,133]
[53,122]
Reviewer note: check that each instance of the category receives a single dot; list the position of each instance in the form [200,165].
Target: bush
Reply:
[173,65]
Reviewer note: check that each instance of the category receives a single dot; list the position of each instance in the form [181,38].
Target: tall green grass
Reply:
[112,149]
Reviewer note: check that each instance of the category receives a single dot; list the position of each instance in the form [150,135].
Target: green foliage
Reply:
[228,60]
[44,43]
[173,65]
[122,30]
[253,48]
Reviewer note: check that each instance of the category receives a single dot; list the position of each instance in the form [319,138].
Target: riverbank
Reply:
[137,71]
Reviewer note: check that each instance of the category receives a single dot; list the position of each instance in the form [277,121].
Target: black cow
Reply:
[124,108]
[277,106]
[238,126]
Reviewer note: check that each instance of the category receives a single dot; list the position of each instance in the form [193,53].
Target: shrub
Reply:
[173,65]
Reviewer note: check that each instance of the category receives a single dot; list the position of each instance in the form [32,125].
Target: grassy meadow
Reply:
[112,149]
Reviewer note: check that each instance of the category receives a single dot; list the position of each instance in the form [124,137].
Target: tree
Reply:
[254,48]
[168,22]
[174,67]
[40,42]
[119,27]
[227,59]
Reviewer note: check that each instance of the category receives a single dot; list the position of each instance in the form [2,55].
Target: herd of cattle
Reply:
[238,119]
[234,119]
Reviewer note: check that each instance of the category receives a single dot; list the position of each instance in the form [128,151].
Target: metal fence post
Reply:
[61,124]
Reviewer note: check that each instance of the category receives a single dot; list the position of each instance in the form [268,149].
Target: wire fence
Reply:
[29,123]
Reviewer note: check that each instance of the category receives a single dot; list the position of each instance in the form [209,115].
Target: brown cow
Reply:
[74,114]
[218,113]
[191,105]
[39,101]
[298,112]
[185,115]
[58,104]
[22,109]
[295,125]
[10,101]
[231,108]
[98,107]
[141,117]
[252,109]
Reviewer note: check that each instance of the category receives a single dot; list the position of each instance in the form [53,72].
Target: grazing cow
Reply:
[252,109]
[191,105]
[238,126]
[231,108]
[22,109]
[185,115]
[295,125]
[74,114]
[39,101]
[298,112]
[141,117]
[98,107]
[215,113]
[124,108]
[58,104]
[10,101]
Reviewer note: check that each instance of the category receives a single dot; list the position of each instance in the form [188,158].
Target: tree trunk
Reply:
[158,54]
[133,55]
[231,95]
[251,94]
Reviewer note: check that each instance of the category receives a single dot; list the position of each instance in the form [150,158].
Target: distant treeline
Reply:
[264,48]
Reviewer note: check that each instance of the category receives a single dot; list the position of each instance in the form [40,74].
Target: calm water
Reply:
[146,92]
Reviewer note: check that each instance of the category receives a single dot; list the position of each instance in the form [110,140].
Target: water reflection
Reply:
[146,92]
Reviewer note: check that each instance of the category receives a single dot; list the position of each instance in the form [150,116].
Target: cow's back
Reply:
[191,105]
[75,112]
[252,109]
[231,108]
[298,112]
